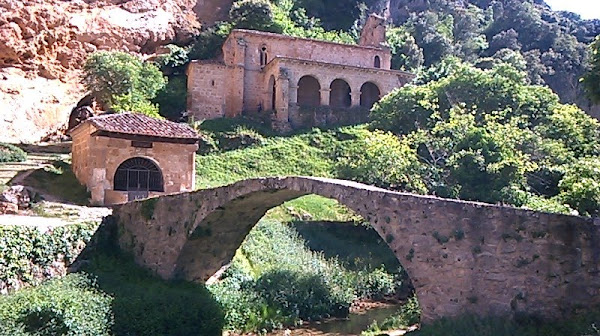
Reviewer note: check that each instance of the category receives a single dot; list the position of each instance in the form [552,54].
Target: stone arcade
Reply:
[123,157]
[263,72]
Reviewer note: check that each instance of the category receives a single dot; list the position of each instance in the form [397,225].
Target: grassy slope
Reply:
[60,182]
[278,157]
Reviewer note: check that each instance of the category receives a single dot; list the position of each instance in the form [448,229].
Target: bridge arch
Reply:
[462,257]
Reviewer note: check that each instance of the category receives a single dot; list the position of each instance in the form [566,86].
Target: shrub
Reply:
[375,284]
[11,153]
[300,293]
[208,43]
[31,249]
[72,305]
[380,159]
[246,311]
[174,61]
[580,187]
[143,304]
[172,98]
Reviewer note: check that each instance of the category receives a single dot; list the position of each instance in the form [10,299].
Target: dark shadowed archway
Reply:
[271,94]
[138,176]
[340,94]
[309,93]
[462,257]
[369,95]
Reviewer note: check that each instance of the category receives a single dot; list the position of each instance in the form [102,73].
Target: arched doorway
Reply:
[272,94]
[309,93]
[138,176]
[369,95]
[340,94]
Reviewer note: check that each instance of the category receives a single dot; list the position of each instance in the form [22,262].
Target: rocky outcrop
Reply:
[43,44]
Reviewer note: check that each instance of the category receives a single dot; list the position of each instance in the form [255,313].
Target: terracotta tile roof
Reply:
[139,124]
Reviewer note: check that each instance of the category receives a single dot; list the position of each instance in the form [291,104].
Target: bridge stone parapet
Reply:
[462,257]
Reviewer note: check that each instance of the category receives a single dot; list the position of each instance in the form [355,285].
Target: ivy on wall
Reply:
[28,255]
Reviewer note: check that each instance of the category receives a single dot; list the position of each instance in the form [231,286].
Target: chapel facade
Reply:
[128,156]
[260,72]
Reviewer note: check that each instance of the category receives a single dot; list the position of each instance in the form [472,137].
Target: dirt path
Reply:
[49,213]
[16,172]
[43,224]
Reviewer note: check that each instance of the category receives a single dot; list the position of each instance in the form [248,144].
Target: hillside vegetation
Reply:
[478,124]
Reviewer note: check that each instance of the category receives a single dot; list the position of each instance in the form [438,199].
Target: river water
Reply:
[353,325]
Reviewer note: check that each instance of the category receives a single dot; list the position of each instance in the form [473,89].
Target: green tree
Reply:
[253,14]
[406,54]
[118,77]
[591,80]
[487,135]
[580,188]
[379,158]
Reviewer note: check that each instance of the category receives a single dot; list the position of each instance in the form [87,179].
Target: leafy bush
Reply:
[172,99]
[175,61]
[580,187]
[23,250]
[591,80]
[246,311]
[208,43]
[113,297]
[379,158]
[301,294]
[375,284]
[72,305]
[11,153]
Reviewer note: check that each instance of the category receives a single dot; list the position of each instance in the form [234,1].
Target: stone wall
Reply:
[250,58]
[80,153]
[462,257]
[207,89]
[96,159]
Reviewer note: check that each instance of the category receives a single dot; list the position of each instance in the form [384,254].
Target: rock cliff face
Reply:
[43,44]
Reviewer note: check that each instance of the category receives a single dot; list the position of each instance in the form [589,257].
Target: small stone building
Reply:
[261,72]
[128,156]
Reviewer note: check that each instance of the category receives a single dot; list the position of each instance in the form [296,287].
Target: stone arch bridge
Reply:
[462,257]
